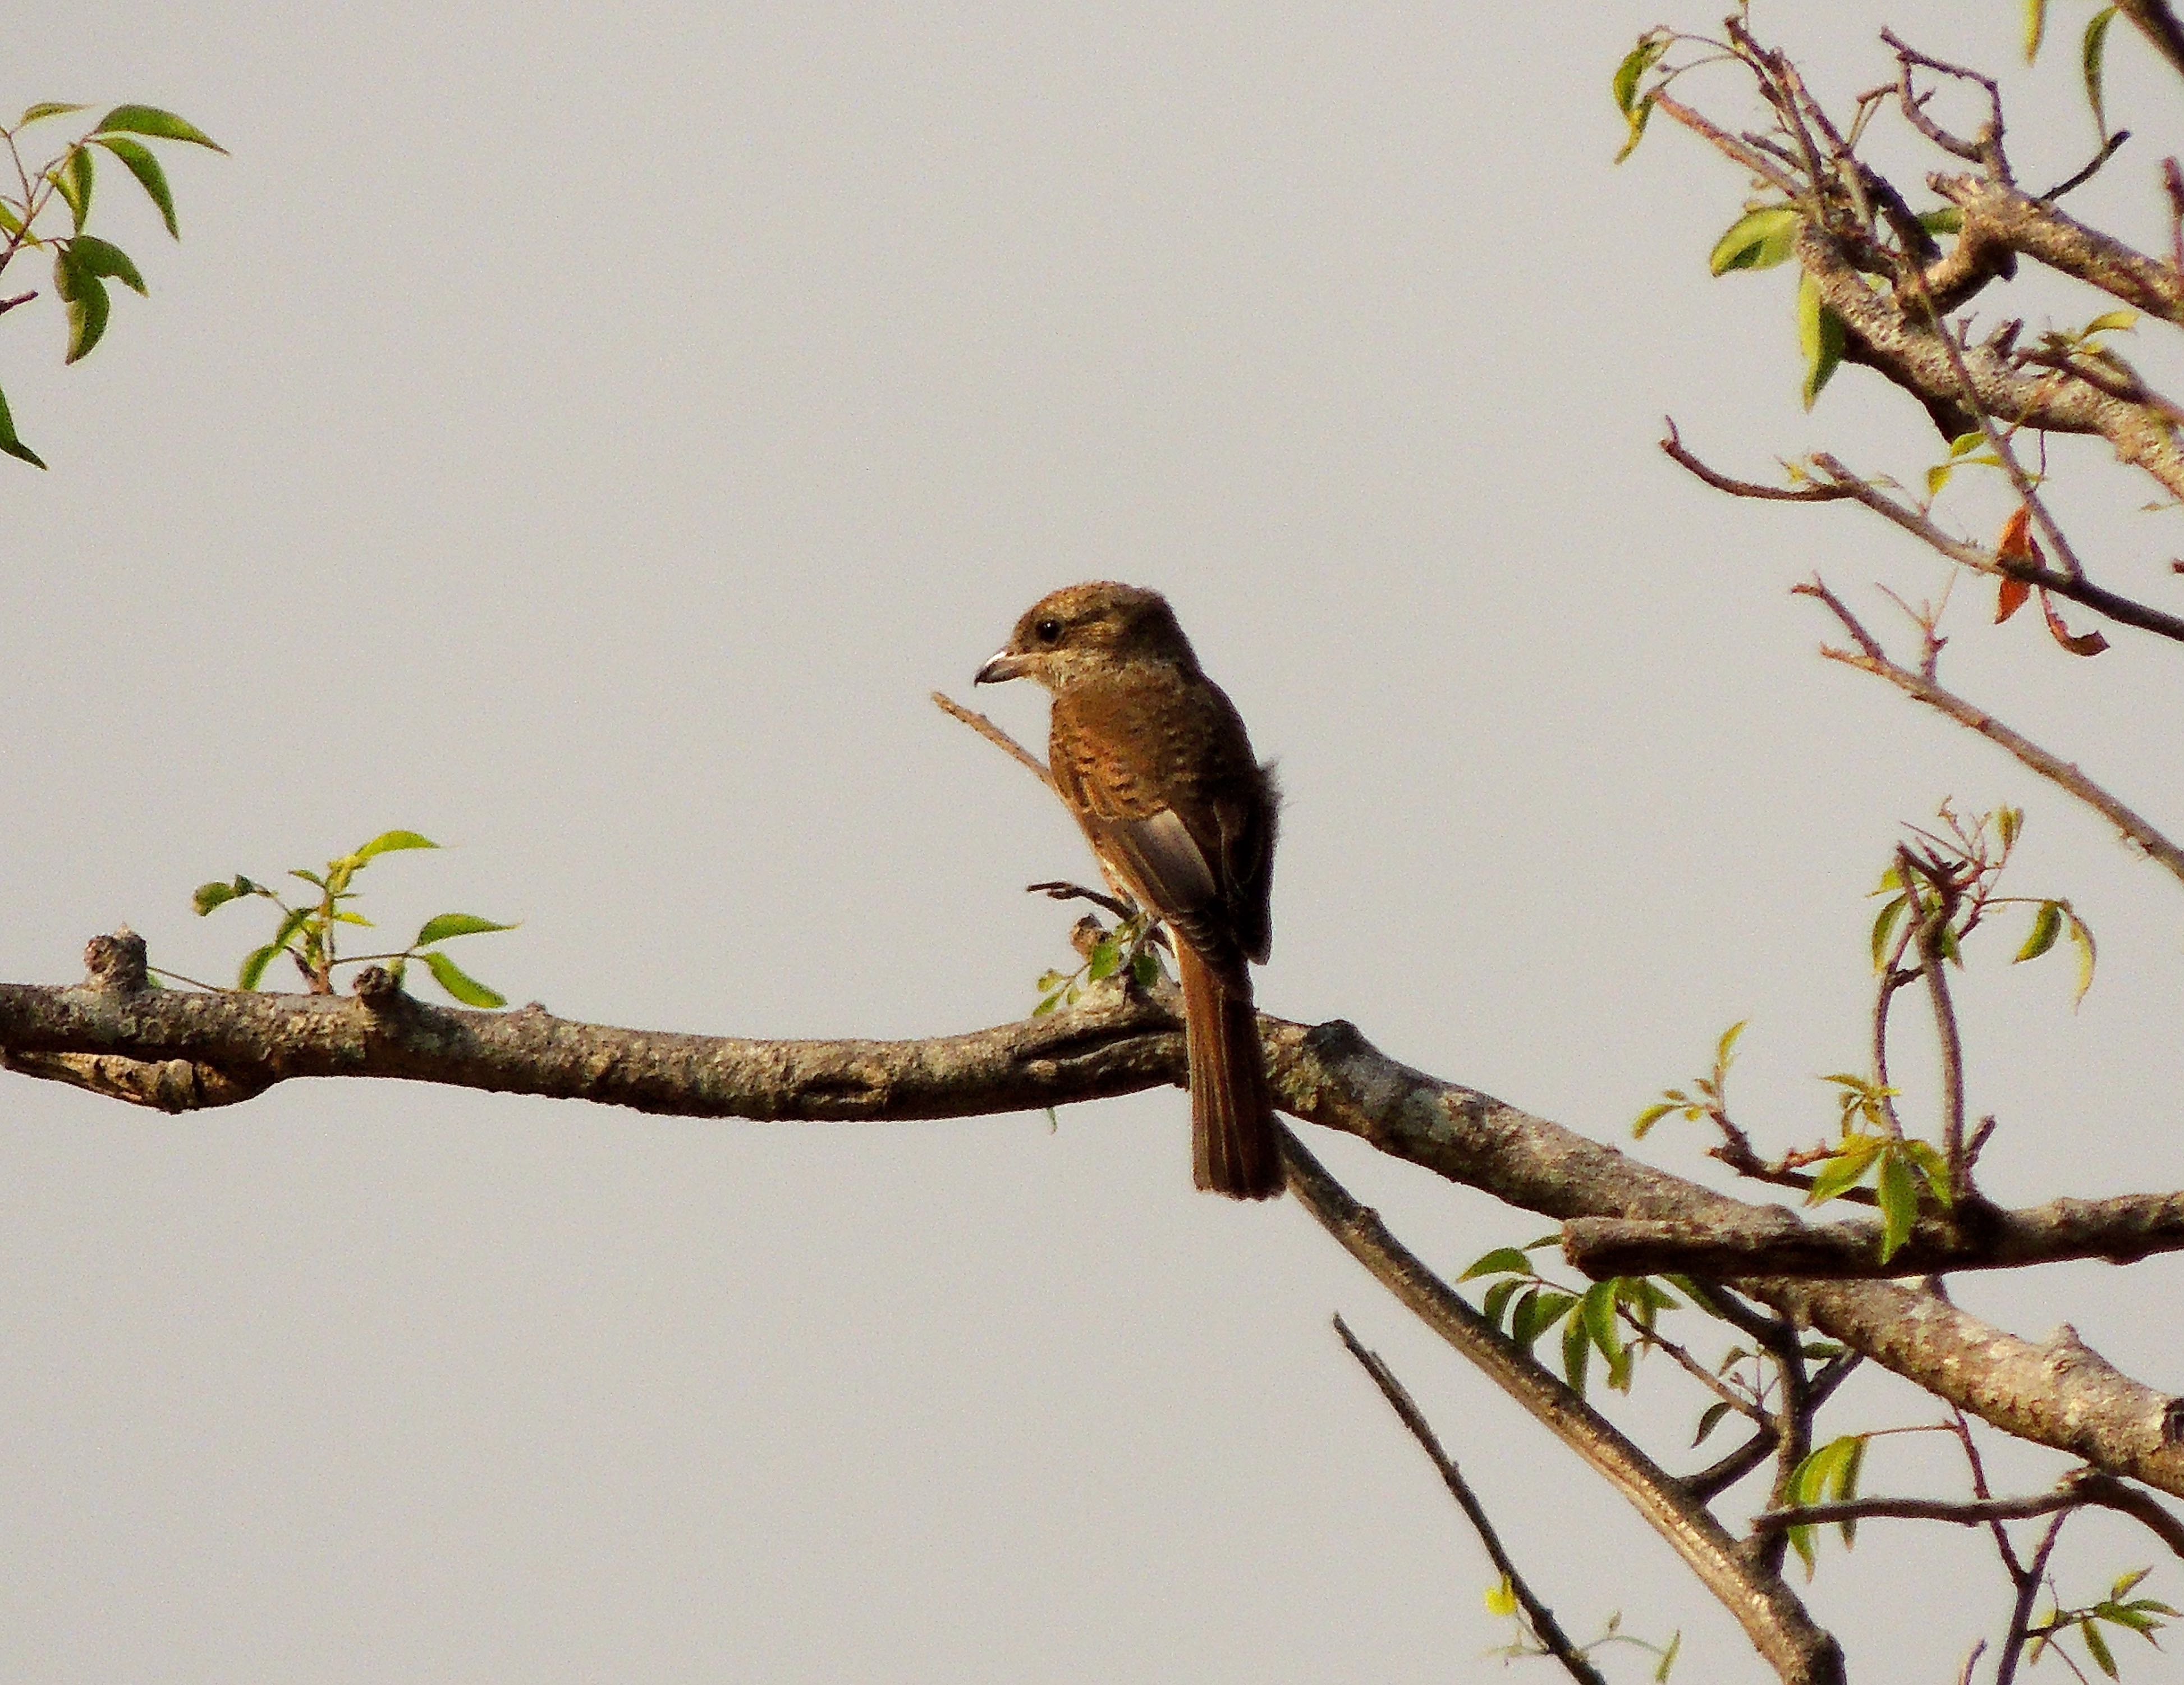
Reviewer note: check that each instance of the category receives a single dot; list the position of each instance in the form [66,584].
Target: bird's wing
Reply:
[1155,851]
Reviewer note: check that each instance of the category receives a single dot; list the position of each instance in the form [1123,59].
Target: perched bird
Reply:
[1151,757]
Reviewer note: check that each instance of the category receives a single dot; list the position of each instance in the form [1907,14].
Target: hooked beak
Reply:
[1003,667]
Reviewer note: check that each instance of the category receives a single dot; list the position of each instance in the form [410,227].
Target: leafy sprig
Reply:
[306,932]
[83,262]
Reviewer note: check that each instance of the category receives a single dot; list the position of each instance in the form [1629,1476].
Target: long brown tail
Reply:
[1232,1119]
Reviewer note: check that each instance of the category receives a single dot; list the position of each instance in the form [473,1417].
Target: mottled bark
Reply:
[229,1045]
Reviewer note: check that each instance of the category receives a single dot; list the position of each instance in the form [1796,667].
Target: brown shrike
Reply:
[1151,757]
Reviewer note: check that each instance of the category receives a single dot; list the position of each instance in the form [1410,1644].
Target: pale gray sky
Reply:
[585,435]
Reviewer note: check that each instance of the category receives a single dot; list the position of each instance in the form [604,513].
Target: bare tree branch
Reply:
[2040,230]
[1840,484]
[1771,1615]
[1537,1616]
[2052,767]
[2101,1491]
[2028,1581]
[1114,1043]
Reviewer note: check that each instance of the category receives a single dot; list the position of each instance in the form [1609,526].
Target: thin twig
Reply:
[2078,589]
[1815,491]
[1541,1619]
[1985,148]
[1769,1612]
[2028,1589]
[1930,932]
[2094,1491]
[2172,181]
[2050,766]
[993,734]
[2071,182]
[1743,152]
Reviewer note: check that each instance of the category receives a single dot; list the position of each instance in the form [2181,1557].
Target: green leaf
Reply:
[2126,1583]
[100,257]
[1759,239]
[2081,938]
[1669,1657]
[451,924]
[85,296]
[1709,1421]
[75,181]
[48,107]
[1845,1485]
[1652,1115]
[1801,1541]
[1899,1203]
[1597,1312]
[1501,1261]
[139,160]
[1106,959]
[1047,1005]
[2110,321]
[2010,825]
[2090,51]
[1639,119]
[1819,337]
[1725,1049]
[1934,1169]
[1842,1171]
[387,842]
[458,983]
[253,965]
[160,125]
[2097,1647]
[1949,219]
[1537,1311]
[1497,1298]
[1577,1354]
[1635,62]
[2036,27]
[2047,926]
[208,896]
[1146,967]
[1884,929]
[13,446]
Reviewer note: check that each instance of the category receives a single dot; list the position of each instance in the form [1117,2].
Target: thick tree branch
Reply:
[1538,1616]
[2057,1394]
[1904,347]
[2119,1230]
[2041,231]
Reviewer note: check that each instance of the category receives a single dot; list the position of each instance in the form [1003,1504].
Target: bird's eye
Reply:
[1047,631]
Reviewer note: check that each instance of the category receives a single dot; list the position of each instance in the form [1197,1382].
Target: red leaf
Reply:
[2081,643]
[2016,543]
[2010,596]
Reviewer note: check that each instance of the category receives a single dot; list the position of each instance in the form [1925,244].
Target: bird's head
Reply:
[1082,631]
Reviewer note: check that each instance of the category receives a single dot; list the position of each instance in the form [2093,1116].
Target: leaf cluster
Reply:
[1525,1305]
[1828,1474]
[306,932]
[83,262]
[2145,1616]
[1105,956]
